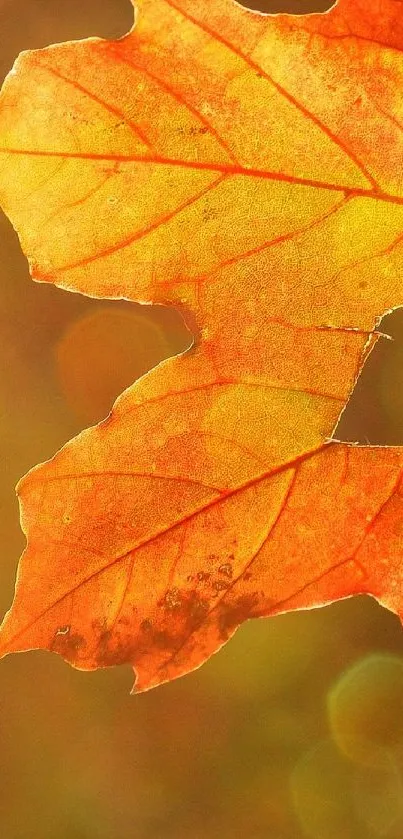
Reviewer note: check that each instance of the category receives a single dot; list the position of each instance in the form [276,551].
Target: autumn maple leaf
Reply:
[247,169]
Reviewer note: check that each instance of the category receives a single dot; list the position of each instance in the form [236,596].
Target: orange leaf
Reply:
[247,169]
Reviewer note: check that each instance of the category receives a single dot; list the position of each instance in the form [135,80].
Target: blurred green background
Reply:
[295,729]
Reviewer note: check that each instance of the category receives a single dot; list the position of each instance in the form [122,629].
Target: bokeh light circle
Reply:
[365,709]
[103,353]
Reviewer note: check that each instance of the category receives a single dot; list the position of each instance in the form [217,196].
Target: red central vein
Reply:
[220,498]
[225,168]
[285,93]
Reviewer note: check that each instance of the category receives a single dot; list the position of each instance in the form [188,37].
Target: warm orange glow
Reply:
[248,170]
